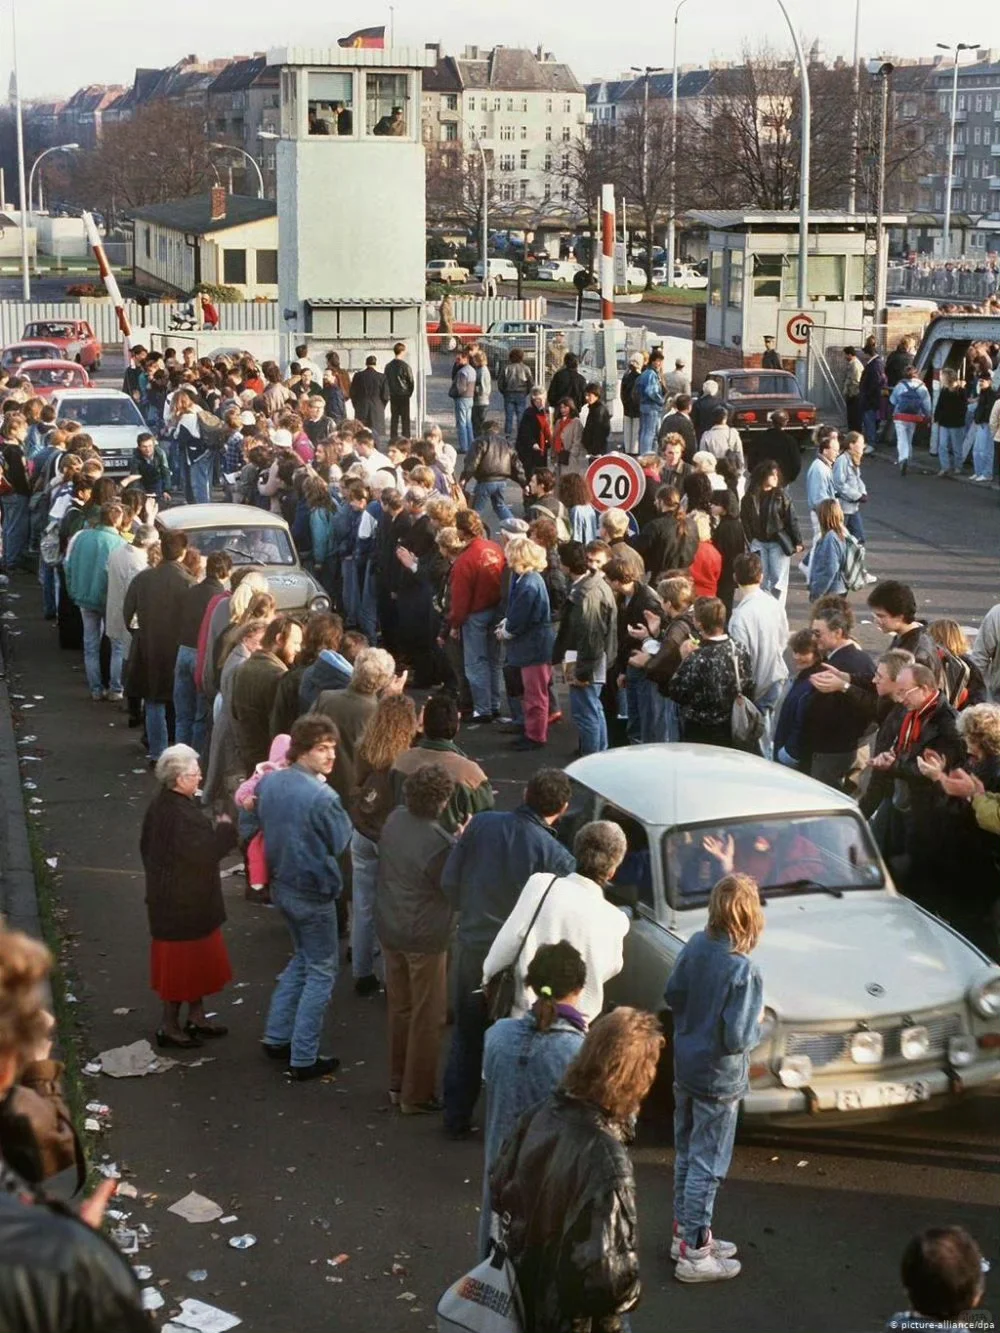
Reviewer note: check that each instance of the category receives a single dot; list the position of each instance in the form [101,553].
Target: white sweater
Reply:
[759,623]
[576,911]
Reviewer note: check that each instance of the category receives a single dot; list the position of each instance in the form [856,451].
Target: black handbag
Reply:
[502,987]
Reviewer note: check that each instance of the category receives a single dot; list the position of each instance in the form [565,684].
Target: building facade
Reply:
[218,238]
[976,169]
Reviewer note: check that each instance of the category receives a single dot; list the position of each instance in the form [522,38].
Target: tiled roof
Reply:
[245,72]
[513,69]
[444,77]
[195,213]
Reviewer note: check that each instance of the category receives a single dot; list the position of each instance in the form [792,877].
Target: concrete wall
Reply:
[61,237]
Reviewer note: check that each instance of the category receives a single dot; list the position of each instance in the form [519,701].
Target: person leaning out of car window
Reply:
[705,686]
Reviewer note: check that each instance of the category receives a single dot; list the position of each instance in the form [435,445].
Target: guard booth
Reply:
[753,272]
[351,211]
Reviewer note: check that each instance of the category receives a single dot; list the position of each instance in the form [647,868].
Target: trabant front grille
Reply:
[832,1048]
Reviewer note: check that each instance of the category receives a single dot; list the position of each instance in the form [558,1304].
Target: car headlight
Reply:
[985,998]
[320,602]
[866,1048]
[914,1043]
[961,1051]
[795,1071]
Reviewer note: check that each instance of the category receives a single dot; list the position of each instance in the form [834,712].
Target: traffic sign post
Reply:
[795,329]
[615,481]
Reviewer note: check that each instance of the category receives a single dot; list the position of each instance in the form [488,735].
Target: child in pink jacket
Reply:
[246,799]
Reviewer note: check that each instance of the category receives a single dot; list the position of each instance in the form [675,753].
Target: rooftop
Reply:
[723,219]
[245,72]
[195,213]
[515,69]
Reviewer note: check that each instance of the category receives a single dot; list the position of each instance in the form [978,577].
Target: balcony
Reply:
[446,116]
[996,114]
[961,117]
[960,149]
[995,149]
[995,182]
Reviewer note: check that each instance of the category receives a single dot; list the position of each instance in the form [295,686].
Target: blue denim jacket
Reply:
[305,830]
[715,997]
[528,617]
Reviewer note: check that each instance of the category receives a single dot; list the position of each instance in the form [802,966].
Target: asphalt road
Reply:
[316,1171]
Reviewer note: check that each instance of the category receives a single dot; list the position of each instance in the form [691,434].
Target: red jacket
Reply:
[475,580]
[706,568]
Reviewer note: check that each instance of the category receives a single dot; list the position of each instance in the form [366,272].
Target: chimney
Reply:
[218,209]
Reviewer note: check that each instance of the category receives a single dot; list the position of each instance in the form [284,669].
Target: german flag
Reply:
[372,39]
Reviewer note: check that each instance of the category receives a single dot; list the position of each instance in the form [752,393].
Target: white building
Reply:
[524,107]
[220,238]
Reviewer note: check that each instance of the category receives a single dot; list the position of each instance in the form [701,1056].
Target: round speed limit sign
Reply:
[615,481]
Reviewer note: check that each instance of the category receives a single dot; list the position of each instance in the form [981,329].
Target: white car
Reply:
[502,269]
[446,271]
[635,276]
[559,270]
[109,417]
[871,1002]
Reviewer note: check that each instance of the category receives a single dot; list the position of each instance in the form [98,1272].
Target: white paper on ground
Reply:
[195,1207]
[204,1318]
[134,1061]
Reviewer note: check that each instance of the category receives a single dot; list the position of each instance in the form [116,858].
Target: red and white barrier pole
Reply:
[607,252]
[110,282]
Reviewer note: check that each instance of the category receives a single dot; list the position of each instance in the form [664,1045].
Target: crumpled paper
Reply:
[194,1207]
[201,1317]
[134,1061]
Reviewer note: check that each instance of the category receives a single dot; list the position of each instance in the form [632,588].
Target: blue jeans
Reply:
[950,440]
[481,659]
[93,630]
[649,425]
[463,424]
[588,717]
[156,728]
[200,479]
[646,708]
[855,526]
[16,529]
[704,1132]
[513,410]
[49,580]
[190,705]
[492,492]
[364,874]
[775,565]
[905,431]
[671,720]
[298,1004]
[463,1075]
[869,425]
[982,452]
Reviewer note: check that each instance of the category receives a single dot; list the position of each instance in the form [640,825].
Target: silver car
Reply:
[871,1002]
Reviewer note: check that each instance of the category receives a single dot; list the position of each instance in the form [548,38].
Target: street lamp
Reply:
[19,118]
[958,48]
[802,293]
[852,189]
[234,148]
[883,72]
[671,224]
[56,148]
[486,196]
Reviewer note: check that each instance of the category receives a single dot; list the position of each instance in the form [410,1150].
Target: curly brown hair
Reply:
[616,1064]
[388,733]
[24,965]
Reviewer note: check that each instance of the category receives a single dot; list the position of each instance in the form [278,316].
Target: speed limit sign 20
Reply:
[615,481]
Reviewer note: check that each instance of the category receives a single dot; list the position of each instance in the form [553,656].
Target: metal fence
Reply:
[826,364]
[940,282]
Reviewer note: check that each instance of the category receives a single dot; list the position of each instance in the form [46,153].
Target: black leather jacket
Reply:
[566,1180]
[57,1275]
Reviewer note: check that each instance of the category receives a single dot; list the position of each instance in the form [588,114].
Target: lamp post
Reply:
[852,191]
[56,148]
[671,222]
[802,291]
[486,232]
[25,202]
[958,48]
[883,74]
[233,148]
[645,71]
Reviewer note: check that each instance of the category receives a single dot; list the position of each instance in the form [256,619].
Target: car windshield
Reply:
[13,356]
[49,331]
[47,377]
[96,411]
[247,546]
[795,854]
[763,386]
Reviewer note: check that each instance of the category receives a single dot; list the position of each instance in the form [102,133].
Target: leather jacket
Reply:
[57,1275]
[566,1180]
[492,459]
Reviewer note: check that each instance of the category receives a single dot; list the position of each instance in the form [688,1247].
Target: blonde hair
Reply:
[441,509]
[703,461]
[831,517]
[450,539]
[24,965]
[948,633]
[735,912]
[981,725]
[614,522]
[239,602]
[524,555]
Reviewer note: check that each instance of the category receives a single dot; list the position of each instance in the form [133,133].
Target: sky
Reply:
[63,44]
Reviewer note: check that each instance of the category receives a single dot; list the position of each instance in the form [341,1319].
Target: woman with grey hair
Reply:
[630,403]
[181,850]
[572,908]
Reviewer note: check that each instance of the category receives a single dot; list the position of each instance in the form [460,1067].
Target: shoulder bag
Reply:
[746,722]
[487,1299]
[501,988]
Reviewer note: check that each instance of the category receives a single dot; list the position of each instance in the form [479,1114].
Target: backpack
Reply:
[957,673]
[372,803]
[911,404]
[852,568]
[48,546]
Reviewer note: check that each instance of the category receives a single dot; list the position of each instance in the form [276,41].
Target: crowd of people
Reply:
[326,748]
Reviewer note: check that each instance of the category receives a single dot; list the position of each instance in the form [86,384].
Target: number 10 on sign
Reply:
[615,481]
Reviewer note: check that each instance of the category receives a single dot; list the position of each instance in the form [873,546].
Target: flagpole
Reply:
[392,25]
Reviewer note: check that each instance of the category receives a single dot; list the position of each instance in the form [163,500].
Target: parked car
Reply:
[251,537]
[686,275]
[49,377]
[14,355]
[501,269]
[752,395]
[635,276]
[558,270]
[109,417]
[504,334]
[870,1001]
[446,271]
[74,336]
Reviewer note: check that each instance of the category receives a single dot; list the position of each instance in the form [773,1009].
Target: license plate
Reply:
[874,1095]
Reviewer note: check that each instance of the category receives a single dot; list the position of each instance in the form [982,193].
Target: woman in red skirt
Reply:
[181,850]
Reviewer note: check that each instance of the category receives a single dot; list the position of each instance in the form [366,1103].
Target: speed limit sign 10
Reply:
[615,481]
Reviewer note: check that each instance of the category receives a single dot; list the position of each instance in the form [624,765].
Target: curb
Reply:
[18,891]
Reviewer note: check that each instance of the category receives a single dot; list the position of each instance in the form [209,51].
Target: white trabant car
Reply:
[871,1002]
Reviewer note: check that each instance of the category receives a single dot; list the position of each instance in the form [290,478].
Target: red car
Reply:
[74,337]
[49,377]
[14,355]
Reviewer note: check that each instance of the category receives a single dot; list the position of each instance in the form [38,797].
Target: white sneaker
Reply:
[871,578]
[722,1249]
[704,1266]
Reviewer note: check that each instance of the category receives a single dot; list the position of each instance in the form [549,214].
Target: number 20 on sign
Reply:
[615,481]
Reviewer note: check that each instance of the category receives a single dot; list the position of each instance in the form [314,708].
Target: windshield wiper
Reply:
[802,886]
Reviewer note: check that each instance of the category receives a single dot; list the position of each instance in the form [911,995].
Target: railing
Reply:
[961,284]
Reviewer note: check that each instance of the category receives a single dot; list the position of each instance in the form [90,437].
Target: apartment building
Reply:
[976,169]
[241,106]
